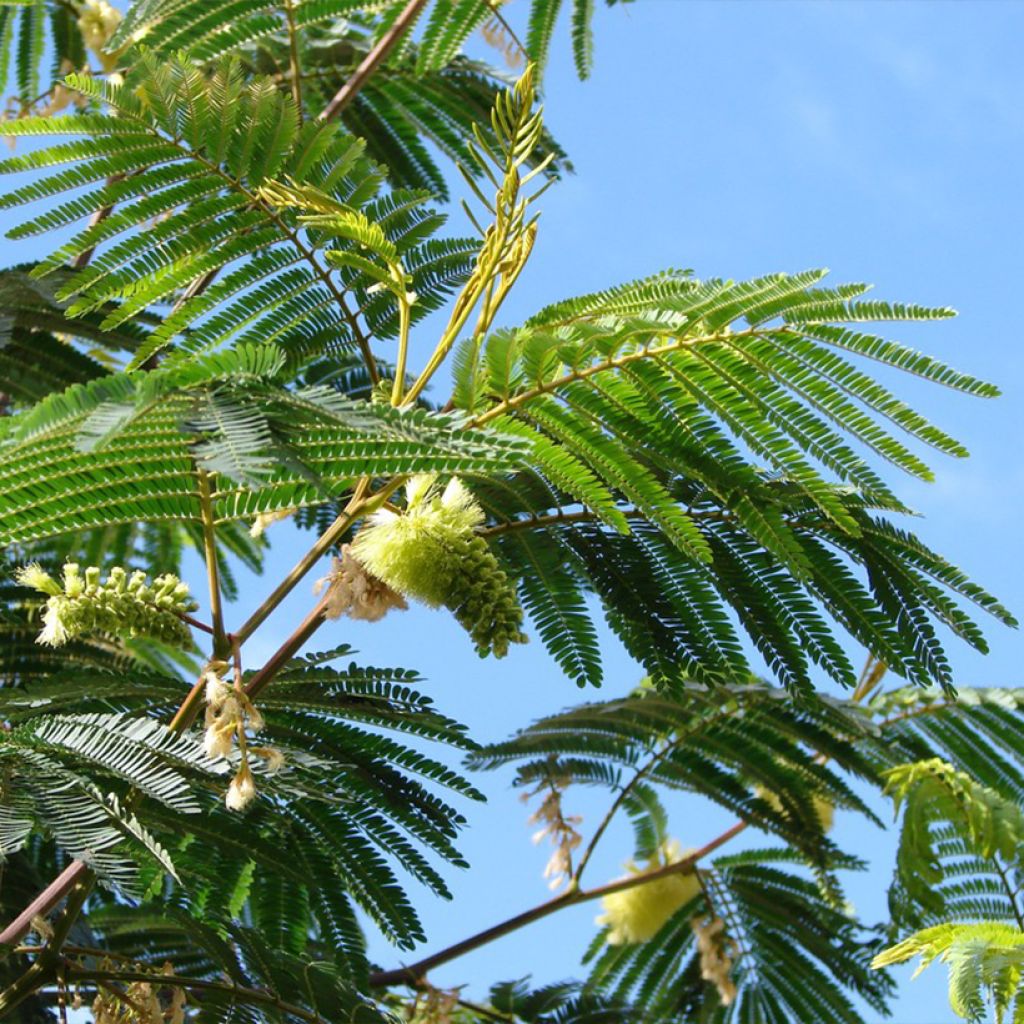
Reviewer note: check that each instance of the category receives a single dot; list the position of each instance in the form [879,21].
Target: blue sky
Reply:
[883,140]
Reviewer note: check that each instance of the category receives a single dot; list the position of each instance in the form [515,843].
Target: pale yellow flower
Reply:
[639,913]
[98,22]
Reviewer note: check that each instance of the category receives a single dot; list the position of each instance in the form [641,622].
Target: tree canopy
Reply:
[248,200]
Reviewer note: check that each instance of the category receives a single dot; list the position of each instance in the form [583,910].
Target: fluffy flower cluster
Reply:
[120,605]
[353,591]
[715,949]
[230,715]
[432,553]
[822,808]
[639,913]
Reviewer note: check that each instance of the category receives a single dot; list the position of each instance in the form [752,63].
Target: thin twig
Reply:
[613,362]
[82,260]
[195,623]
[293,57]
[309,625]
[1011,895]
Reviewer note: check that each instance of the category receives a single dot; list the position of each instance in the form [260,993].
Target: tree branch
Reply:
[309,625]
[44,965]
[369,64]
[415,972]
[44,902]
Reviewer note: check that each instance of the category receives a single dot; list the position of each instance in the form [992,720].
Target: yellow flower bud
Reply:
[431,552]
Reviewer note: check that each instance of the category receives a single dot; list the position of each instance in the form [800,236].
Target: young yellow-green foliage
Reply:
[431,552]
[638,914]
[120,605]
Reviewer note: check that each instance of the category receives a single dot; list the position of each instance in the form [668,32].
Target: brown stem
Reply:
[387,42]
[309,625]
[293,57]
[44,902]
[195,623]
[82,260]
[414,972]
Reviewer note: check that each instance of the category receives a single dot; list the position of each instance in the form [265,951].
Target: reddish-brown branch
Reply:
[387,42]
[195,623]
[44,902]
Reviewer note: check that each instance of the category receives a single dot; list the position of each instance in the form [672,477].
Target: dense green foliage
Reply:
[245,201]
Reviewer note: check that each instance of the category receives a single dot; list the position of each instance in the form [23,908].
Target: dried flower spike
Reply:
[357,593]
[558,826]
[715,949]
